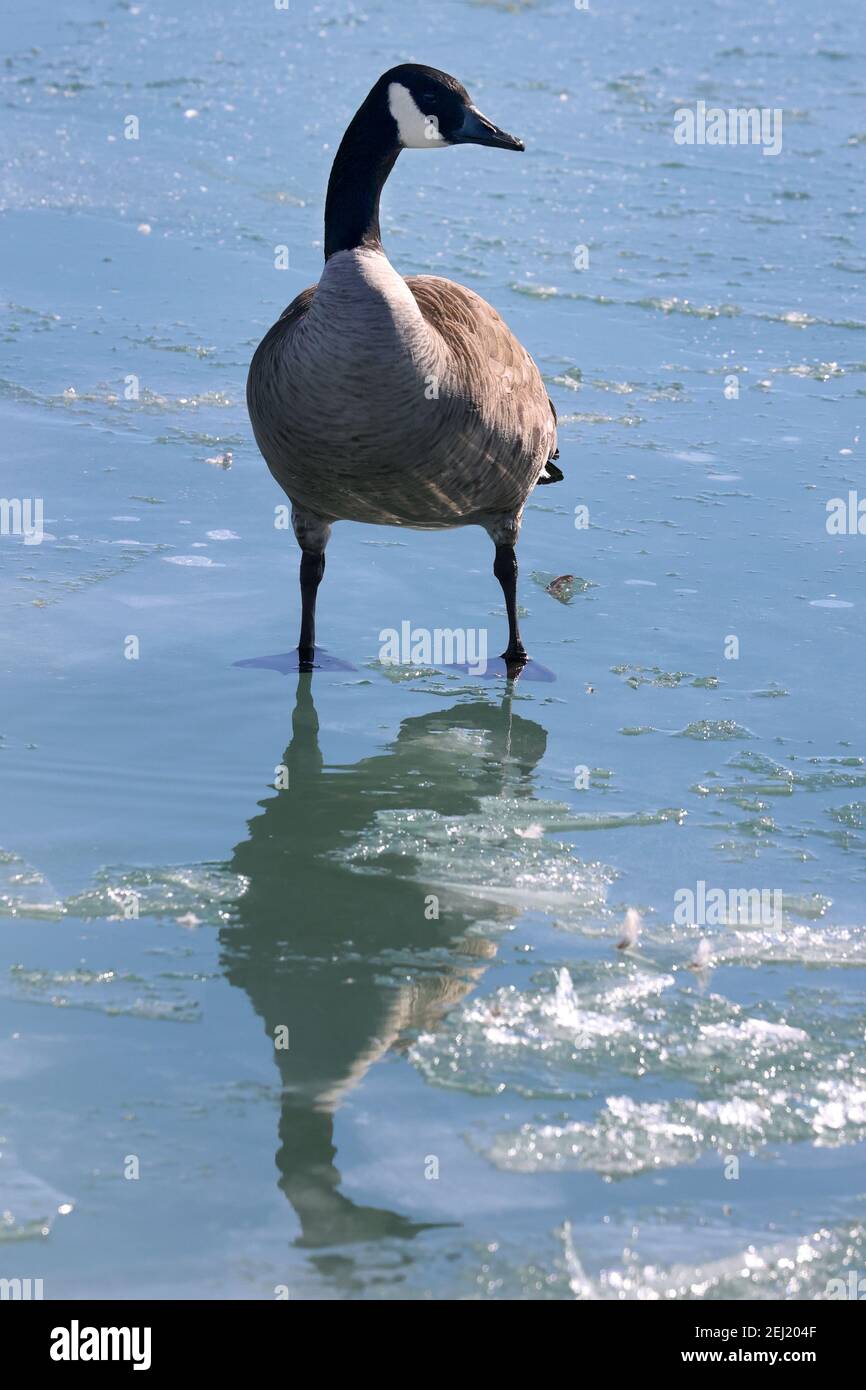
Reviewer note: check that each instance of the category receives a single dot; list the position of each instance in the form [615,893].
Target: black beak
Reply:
[477,130]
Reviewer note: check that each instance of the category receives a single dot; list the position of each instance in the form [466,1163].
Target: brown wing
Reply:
[298,307]
[262,380]
[484,348]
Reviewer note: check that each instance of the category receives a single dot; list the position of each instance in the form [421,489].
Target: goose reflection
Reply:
[324,950]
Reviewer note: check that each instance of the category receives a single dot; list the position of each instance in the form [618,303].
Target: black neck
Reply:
[364,160]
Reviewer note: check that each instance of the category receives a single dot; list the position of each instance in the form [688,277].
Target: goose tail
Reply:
[550,473]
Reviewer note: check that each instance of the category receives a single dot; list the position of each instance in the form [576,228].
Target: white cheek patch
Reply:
[415,130]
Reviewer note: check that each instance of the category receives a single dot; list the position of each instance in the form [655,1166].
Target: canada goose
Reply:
[401,402]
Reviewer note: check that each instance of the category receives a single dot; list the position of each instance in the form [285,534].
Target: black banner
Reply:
[81,1339]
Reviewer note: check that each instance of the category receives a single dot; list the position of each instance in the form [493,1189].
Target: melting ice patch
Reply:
[745,1079]
[629,1137]
[792,944]
[498,855]
[194,895]
[24,891]
[534,1043]
[192,561]
[797,1268]
[801,1265]
[28,1206]
[113,992]
[755,1032]
[552,1040]
[765,776]
[207,891]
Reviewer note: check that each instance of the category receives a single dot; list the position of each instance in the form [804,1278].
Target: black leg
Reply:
[312,569]
[505,569]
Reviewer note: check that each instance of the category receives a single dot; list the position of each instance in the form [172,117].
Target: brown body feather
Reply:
[403,402]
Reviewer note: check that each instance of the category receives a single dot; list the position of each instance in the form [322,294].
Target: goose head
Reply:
[411,107]
[431,110]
